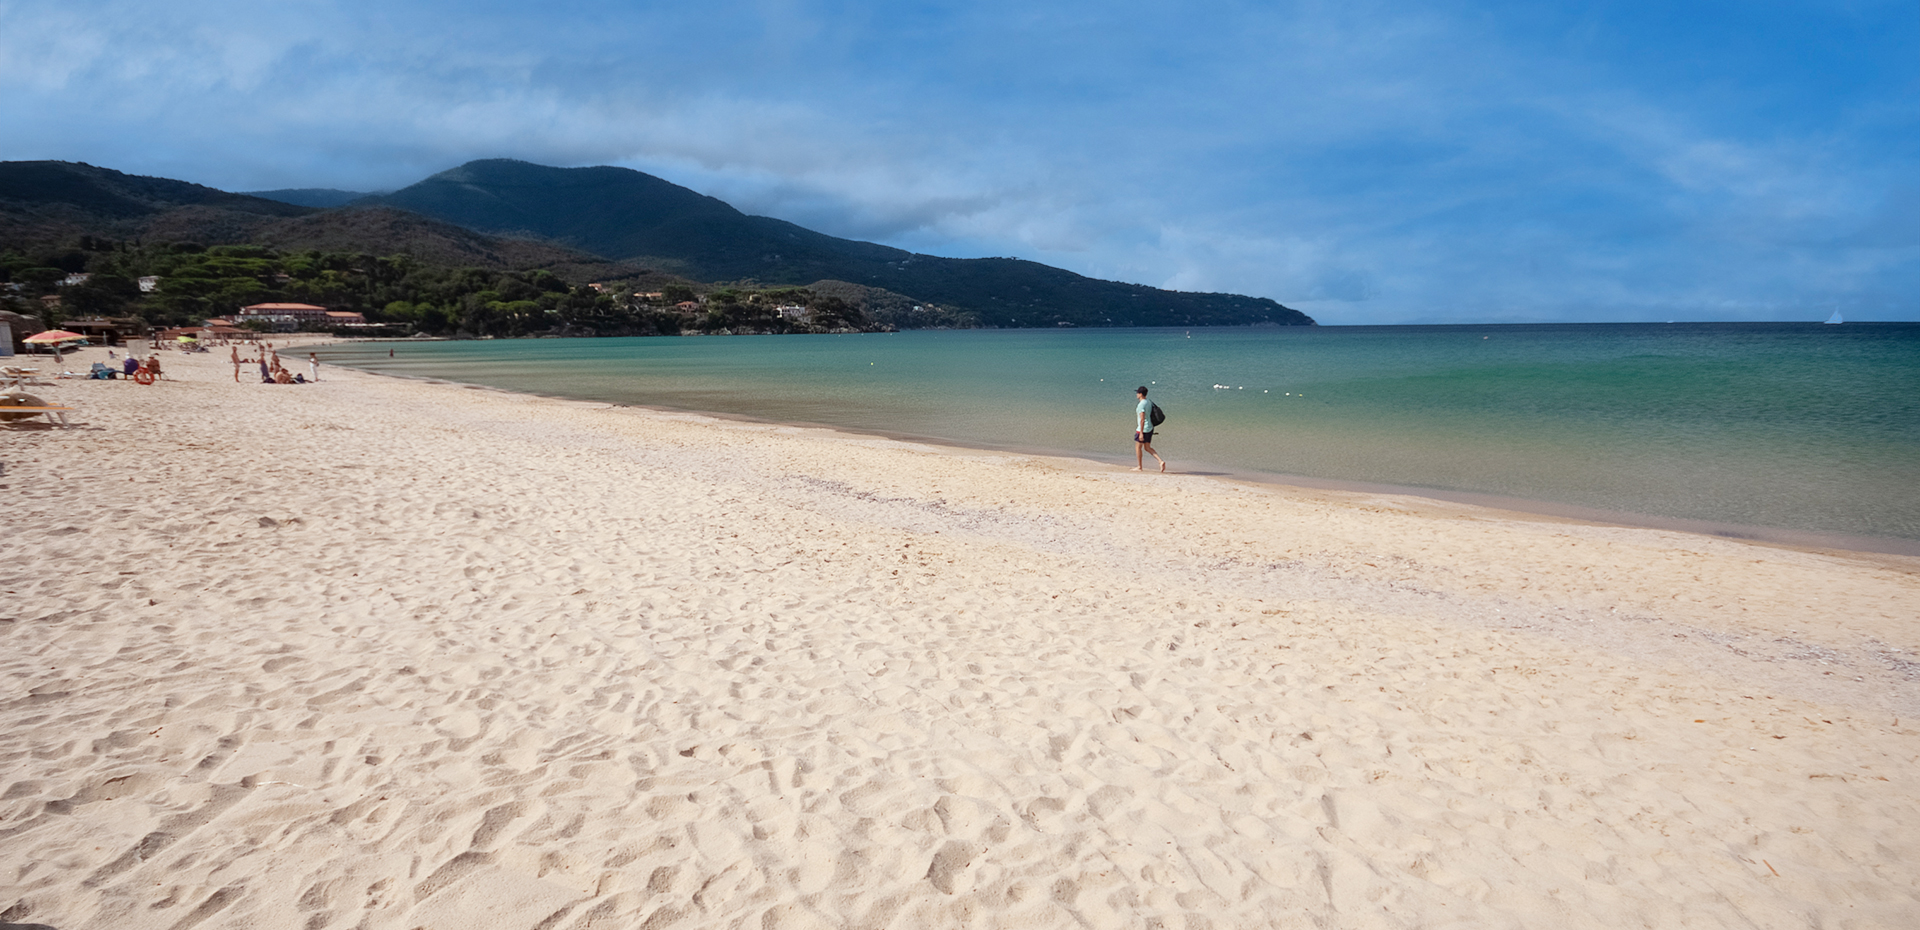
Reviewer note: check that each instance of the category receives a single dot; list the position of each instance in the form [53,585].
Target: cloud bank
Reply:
[1368,162]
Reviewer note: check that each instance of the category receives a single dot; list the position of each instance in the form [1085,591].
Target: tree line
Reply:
[196,282]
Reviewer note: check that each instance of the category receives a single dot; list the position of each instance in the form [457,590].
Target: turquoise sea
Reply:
[1803,432]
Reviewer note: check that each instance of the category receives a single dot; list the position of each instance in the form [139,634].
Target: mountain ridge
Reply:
[43,202]
[48,200]
[628,215]
[600,223]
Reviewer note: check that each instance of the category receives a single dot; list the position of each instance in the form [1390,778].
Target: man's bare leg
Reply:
[1140,452]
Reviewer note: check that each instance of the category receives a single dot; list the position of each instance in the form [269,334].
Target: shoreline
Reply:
[380,652]
[1808,540]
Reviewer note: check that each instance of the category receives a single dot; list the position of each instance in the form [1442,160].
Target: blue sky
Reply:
[1367,162]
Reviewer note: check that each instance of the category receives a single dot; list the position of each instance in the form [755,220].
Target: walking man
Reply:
[1143,432]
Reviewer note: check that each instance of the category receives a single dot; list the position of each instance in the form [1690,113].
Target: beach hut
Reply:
[21,326]
[107,332]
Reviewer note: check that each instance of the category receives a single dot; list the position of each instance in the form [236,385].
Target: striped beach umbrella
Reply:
[52,336]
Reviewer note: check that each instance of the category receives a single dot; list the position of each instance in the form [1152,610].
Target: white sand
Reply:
[383,654]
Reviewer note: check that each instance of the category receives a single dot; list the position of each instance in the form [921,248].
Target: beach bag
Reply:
[1156,416]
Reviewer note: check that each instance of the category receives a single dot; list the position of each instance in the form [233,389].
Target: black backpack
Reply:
[1156,416]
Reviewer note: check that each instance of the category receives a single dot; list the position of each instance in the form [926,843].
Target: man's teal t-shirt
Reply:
[1143,416]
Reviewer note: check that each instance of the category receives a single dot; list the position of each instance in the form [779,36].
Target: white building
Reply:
[300,312]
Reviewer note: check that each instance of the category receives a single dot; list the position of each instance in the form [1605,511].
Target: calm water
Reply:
[1801,427]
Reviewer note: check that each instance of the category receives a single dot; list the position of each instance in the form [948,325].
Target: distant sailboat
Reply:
[1835,318]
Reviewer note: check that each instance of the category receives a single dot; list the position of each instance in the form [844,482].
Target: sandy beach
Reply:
[376,653]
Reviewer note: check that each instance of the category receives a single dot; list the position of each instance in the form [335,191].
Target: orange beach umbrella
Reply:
[53,335]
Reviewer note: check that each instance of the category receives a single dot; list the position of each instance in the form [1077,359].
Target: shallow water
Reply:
[1794,426]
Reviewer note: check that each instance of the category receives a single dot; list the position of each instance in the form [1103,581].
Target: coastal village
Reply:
[486,306]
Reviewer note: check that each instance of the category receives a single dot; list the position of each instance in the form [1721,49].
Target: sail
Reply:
[1835,318]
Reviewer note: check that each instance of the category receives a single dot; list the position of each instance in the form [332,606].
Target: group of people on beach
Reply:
[272,370]
[145,371]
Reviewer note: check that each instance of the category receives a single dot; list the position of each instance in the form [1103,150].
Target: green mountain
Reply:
[49,200]
[47,203]
[388,231]
[593,224]
[634,217]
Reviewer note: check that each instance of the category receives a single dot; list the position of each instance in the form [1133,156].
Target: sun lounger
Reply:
[52,412]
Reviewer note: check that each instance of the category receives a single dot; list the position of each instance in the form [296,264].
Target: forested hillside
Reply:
[624,214]
[197,282]
[508,248]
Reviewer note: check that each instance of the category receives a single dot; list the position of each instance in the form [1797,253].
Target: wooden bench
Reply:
[52,412]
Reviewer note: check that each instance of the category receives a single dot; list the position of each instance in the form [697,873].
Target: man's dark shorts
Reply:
[1145,439]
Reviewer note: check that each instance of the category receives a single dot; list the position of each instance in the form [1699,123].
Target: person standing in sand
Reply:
[313,367]
[1143,432]
[236,364]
